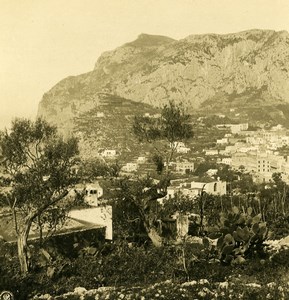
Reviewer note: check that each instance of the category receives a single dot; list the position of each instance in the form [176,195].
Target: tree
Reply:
[169,130]
[91,168]
[274,197]
[135,209]
[164,133]
[281,190]
[203,167]
[39,163]
[227,174]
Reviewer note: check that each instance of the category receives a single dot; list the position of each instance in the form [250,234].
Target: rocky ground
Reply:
[235,287]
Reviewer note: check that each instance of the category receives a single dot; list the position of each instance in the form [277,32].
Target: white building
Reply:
[193,189]
[109,153]
[235,128]
[101,216]
[211,152]
[130,167]
[141,159]
[100,114]
[93,192]
[183,150]
[180,147]
[230,149]
[248,160]
[222,141]
[227,161]
[215,187]
[184,167]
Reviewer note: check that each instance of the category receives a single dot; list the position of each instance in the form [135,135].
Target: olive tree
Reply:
[165,133]
[38,162]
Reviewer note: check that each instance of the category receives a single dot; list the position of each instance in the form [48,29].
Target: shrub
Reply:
[242,236]
[279,227]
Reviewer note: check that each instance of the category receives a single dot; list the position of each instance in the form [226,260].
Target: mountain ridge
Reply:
[199,71]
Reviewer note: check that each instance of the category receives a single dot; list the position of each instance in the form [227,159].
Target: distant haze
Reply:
[42,42]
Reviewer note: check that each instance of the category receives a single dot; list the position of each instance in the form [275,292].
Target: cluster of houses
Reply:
[234,128]
[255,151]
[193,189]
[101,215]
[179,167]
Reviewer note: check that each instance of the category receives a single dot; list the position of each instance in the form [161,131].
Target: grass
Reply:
[143,272]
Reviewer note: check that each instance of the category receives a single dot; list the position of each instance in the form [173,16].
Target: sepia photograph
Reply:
[144,149]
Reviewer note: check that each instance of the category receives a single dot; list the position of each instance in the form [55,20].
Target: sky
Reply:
[44,41]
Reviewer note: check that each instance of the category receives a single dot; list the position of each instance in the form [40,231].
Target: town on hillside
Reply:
[258,151]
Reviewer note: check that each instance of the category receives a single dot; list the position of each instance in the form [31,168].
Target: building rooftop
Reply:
[71,225]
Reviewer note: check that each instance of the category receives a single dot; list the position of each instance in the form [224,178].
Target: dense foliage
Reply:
[165,132]
[136,268]
[90,169]
[38,164]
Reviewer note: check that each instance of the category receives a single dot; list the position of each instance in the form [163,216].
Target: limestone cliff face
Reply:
[199,71]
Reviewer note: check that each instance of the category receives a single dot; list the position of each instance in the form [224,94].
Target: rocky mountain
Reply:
[247,70]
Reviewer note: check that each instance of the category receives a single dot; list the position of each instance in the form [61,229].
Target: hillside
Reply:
[109,126]
[247,71]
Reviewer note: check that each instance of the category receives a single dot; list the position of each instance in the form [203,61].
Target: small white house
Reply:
[180,147]
[183,167]
[130,167]
[193,189]
[100,114]
[215,187]
[109,153]
[227,161]
[211,152]
[141,159]
[183,150]
[236,128]
[222,141]
[93,192]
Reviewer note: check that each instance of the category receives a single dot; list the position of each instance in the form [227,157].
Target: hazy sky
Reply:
[43,41]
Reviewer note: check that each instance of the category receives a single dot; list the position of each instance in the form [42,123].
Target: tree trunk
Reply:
[155,237]
[23,232]
[40,231]
[23,253]
[149,220]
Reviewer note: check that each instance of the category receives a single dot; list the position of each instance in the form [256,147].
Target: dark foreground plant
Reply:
[242,236]
[145,269]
